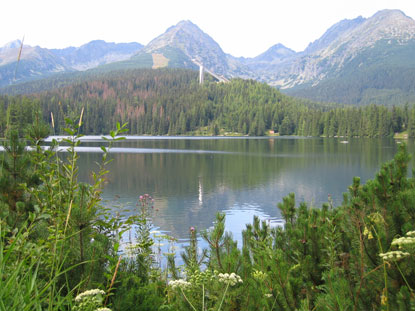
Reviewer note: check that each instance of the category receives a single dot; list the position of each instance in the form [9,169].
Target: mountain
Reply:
[95,53]
[333,33]
[37,62]
[361,61]
[276,53]
[185,45]
[358,61]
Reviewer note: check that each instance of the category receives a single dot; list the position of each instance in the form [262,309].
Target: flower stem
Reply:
[223,297]
[187,299]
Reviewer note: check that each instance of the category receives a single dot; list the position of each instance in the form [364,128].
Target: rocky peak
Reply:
[333,33]
[276,52]
[384,25]
[391,24]
[184,35]
[189,40]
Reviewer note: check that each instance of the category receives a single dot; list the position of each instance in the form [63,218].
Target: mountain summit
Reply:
[186,45]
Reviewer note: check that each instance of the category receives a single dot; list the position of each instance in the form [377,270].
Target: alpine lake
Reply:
[193,178]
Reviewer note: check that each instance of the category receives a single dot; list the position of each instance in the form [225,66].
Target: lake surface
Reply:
[191,179]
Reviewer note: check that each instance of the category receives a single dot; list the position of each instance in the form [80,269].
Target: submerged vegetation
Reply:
[171,102]
[61,249]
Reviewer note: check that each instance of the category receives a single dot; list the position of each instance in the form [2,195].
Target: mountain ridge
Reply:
[363,47]
[37,62]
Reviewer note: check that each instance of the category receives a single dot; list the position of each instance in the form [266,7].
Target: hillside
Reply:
[172,102]
[371,63]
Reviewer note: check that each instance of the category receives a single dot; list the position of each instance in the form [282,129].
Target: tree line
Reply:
[171,102]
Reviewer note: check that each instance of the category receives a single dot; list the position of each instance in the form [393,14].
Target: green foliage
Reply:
[57,241]
[90,300]
[171,102]
[344,258]
[53,239]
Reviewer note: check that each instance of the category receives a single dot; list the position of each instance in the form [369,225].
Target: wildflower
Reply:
[179,284]
[232,279]
[403,241]
[91,292]
[368,233]
[103,309]
[411,233]
[393,255]
[268,295]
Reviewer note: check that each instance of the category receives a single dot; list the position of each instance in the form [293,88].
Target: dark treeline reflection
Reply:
[192,179]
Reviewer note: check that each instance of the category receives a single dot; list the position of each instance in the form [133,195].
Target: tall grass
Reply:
[46,253]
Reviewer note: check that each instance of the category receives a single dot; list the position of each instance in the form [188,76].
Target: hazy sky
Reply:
[242,28]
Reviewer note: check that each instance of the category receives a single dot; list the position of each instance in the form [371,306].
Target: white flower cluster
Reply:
[411,233]
[103,309]
[232,278]
[403,241]
[91,292]
[179,284]
[393,255]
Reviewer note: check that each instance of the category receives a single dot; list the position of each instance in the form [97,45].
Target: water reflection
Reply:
[192,179]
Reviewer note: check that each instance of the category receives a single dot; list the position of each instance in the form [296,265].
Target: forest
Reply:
[61,249]
[172,102]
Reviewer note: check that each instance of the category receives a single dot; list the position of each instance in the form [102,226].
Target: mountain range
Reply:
[36,62]
[358,61]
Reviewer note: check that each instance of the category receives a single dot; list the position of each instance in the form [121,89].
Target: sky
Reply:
[242,28]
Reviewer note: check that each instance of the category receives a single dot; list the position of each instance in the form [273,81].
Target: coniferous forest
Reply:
[171,102]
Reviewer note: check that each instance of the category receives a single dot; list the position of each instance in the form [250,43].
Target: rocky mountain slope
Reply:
[186,45]
[95,53]
[37,62]
[327,59]
[371,62]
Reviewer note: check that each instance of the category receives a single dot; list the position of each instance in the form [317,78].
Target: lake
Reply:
[193,178]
